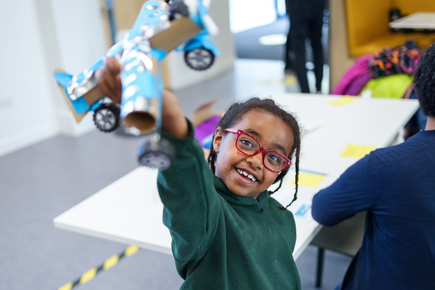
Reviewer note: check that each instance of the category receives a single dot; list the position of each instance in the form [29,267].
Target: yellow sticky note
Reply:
[357,151]
[309,179]
[290,80]
[343,101]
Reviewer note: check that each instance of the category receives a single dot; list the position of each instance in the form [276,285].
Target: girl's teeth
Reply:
[250,176]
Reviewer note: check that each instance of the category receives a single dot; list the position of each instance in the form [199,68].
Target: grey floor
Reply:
[42,181]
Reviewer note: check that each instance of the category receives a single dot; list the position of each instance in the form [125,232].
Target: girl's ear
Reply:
[218,135]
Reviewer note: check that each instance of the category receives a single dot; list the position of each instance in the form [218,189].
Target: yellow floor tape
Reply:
[109,263]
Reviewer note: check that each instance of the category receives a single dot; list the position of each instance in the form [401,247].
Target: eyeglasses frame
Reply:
[261,149]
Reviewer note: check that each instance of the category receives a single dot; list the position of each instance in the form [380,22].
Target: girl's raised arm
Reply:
[173,121]
[192,205]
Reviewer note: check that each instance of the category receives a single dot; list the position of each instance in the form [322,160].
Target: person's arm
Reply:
[192,205]
[186,188]
[173,120]
[356,190]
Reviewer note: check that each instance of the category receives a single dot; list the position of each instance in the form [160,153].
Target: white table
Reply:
[419,20]
[129,210]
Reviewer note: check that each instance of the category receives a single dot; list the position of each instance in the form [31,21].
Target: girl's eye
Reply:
[247,143]
[274,157]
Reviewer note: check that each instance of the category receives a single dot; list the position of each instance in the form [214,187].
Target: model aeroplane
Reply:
[160,27]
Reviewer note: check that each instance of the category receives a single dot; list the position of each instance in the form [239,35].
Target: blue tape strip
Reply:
[80,106]
[201,40]
[158,54]
[115,49]
[202,10]
[303,210]
[145,17]
[97,104]
[95,66]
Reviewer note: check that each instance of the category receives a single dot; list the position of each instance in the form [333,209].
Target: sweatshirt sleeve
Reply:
[356,190]
[191,203]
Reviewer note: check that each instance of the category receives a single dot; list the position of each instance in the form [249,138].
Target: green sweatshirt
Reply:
[221,240]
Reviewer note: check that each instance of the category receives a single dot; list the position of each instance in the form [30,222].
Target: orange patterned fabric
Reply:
[401,60]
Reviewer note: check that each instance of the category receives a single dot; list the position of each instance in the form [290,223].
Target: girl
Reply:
[227,232]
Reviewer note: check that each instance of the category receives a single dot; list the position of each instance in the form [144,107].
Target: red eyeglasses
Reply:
[250,146]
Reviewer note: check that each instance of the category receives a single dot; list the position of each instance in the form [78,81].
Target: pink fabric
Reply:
[355,78]
[357,85]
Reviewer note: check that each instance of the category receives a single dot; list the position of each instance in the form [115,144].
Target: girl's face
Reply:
[273,134]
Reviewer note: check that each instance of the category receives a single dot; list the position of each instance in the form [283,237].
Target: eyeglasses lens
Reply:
[250,146]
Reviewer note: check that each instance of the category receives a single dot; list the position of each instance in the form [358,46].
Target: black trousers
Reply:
[287,60]
[306,22]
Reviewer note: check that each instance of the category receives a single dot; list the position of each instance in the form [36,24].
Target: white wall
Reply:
[73,38]
[248,14]
[26,110]
[37,36]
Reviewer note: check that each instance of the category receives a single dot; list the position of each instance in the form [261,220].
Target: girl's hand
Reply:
[173,120]
[110,80]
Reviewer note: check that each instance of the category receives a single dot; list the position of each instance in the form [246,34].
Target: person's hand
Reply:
[110,80]
[173,120]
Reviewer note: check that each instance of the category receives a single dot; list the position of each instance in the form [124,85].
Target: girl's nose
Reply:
[256,161]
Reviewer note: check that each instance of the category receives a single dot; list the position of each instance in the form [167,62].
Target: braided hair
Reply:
[236,112]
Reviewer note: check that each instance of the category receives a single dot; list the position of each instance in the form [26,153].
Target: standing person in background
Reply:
[306,18]
[288,61]
[396,186]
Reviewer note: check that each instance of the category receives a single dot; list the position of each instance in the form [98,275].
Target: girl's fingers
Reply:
[110,80]
[107,91]
[118,87]
[112,65]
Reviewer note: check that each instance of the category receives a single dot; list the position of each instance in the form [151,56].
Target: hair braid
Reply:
[297,153]
[212,157]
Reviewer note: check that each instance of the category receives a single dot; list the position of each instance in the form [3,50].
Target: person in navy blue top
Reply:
[396,186]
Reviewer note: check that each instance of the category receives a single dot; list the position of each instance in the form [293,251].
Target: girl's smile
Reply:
[246,175]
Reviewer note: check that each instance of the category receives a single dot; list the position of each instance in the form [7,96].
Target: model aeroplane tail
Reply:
[63,79]
[208,22]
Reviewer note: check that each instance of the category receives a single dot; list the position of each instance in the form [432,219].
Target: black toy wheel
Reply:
[199,58]
[106,117]
[156,154]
